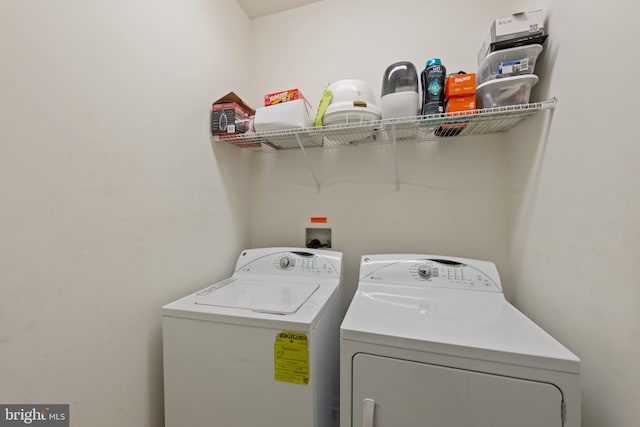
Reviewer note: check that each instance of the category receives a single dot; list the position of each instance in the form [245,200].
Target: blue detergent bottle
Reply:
[432,79]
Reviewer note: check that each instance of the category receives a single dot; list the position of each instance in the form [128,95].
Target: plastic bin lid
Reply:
[400,77]
[490,66]
[513,53]
[525,79]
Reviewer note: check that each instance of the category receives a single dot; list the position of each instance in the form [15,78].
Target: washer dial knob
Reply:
[424,271]
[285,262]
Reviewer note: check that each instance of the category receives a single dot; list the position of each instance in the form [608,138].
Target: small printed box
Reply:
[460,103]
[515,30]
[228,118]
[463,108]
[283,96]
[230,115]
[460,85]
[518,25]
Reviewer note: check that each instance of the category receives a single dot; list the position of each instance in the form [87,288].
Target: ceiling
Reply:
[258,8]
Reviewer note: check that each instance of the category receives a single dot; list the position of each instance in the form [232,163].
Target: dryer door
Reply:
[390,392]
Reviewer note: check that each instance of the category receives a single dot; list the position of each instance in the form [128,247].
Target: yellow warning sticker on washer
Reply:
[291,357]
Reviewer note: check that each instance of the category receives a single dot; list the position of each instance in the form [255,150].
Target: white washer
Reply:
[431,340]
[260,348]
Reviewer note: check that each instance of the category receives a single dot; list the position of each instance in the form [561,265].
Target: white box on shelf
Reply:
[519,26]
[286,115]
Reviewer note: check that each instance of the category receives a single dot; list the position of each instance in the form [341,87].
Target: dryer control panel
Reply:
[432,271]
[293,263]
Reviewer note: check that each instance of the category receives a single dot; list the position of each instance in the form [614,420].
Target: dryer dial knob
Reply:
[424,271]
[285,262]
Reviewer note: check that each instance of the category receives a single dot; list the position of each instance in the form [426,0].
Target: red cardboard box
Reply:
[283,96]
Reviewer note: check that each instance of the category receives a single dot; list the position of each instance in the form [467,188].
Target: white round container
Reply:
[400,104]
[352,101]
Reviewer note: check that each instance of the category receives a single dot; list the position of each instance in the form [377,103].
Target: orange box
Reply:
[460,85]
[460,103]
[283,96]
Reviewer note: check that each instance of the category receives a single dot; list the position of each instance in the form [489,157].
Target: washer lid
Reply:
[258,296]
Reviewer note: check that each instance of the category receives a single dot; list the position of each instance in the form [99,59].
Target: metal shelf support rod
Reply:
[306,158]
[395,156]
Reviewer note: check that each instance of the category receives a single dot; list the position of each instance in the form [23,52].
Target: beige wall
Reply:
[575,204]
[114,201]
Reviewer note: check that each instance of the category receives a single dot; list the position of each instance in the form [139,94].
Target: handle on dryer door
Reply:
[368,408]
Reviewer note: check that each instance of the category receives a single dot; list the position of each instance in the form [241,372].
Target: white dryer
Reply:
[431,341]
[260,348]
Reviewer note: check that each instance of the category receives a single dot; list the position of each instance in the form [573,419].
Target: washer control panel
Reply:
[432,272]
[293,263]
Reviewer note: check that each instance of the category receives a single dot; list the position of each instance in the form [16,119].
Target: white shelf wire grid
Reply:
[423,128]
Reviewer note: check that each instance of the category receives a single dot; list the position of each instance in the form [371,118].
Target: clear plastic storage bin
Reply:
[509,62]
[506,91]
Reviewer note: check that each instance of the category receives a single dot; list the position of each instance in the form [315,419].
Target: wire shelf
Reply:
[431,127]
